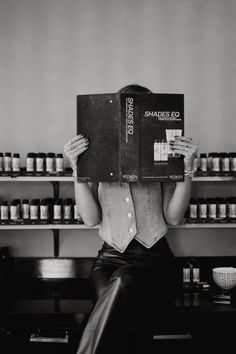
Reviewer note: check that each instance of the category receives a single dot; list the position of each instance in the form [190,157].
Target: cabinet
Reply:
[55,228]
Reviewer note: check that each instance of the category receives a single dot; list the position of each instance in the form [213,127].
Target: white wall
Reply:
[52,50]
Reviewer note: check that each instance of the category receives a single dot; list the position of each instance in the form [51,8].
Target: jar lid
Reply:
[59,155]
[41,154]
[50,154]
[31,154]
[16,154]
[7,154]
[4,203]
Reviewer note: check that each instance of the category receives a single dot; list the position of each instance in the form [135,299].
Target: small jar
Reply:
[40,163]
[225,163]
[193,209]
[59,163]
[16,162]
[57,210]
[50,162]
[1,162]
[202,209]
[232,156]
[7,162]
[44,210]
[14,213]
[77,216]
[4,211]
[30,163]
[212,209]
[195,163]
[34,209]
[25,209]
[203,163]
[67,209]
[221,209]
[215,163]
[231,213]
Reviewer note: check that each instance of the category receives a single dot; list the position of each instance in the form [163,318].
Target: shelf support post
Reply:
[56,193]
[56,242]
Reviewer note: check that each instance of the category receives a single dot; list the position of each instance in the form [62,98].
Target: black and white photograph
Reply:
[117,176]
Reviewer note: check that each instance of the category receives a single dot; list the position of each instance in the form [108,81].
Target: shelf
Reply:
[205,226]
[36,179]
[46,227]
[214,179]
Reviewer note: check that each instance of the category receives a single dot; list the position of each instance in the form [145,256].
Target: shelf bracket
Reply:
[56,242]
[56,193]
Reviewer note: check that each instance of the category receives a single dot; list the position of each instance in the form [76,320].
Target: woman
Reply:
[134,275]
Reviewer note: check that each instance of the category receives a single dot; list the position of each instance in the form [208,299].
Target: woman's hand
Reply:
[74,148]
[186,147]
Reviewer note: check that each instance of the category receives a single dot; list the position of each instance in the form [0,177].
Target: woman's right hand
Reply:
[74,148]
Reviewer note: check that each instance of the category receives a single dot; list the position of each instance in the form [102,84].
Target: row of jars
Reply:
[36,163]
[216,163]
[39,211]
[212,210]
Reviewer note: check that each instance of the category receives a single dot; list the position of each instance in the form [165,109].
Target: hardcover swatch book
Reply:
[129,137]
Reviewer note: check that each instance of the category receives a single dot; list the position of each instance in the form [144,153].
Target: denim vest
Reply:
[131,211]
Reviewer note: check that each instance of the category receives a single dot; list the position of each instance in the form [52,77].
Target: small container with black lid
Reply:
[34,211]
[59,164]
[221,210]
[57,211]
[30,163]
[44,212]
[192,211]
[215,166]
[5,211]
[224,164]
[14,213]
[7,162]
[40,163]
[203,167]
[25,210]
[1,163]
[16,164]
[67,211]
[231,209]
[77,216]
[202,210]
[212,209]
[232,156]
[50,163]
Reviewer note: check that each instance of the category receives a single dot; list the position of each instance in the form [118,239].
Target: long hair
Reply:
[134,88]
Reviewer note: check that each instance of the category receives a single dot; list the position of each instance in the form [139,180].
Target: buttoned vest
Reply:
[131,210]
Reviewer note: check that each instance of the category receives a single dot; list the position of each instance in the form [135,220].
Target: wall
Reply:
[52,50]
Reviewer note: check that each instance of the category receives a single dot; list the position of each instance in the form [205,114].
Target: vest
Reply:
[131,210]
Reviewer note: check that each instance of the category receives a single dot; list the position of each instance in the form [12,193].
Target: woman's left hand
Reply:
[186,147]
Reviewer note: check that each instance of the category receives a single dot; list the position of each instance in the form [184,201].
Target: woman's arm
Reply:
[176,196]
[85,193]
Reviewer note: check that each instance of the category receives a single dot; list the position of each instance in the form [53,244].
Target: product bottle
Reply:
[59,163]
[77,216]
[1,162]
[225,163]
[195,163]
[215,163]
[193,210]
[50,162]
[202,209]
[212,209]
[44,211]
[40,163]
[164,150]
[14,210]
[231,202]
[203,163]
[4,211]
[7,162]
[30,163]
[221,206]
[232,156]
[16,162]
[57,210]
[25,210]
[67,210]
[157,150]
[34,210]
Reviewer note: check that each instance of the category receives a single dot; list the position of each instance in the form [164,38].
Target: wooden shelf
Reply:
[214,179]
[205,226]
[36,179]
[46,227]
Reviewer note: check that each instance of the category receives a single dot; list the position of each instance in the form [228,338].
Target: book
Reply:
[129,137]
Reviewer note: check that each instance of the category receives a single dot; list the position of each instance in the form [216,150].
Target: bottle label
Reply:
[59,164]
[57,212]
[49,164]
[34,212]
[4,212]
[225,164]
[39,165]
[193,211]
[203,164]
[202,211]
[164,151]
[222,210]
[30,164]
[232,210]
[212,211]
[7,163]
[157,151]
[1,164]
[15,164]
[25,211]
[13,212]
[216,164]
[44,212]
[67,212]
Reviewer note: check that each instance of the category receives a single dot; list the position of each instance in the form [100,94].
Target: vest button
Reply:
[127,199]
[131,230]
[129,215]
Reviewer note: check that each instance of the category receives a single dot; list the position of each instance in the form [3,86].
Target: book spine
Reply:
[129,138]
